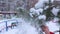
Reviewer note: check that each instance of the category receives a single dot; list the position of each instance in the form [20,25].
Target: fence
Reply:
[5,23]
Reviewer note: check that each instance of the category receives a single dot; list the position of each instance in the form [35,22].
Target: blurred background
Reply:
[36,12]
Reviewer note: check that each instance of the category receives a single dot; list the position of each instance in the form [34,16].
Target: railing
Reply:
[4,24]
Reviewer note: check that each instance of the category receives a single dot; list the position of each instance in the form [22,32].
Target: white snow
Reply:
[46,7]
[27,29]
[35,12]
[39,7]
[40,3]
[2,26]
[32,11]
[55,11]
[55,19]
[10,31]
[42,17]
[53,26]
[38,11]
[23,28]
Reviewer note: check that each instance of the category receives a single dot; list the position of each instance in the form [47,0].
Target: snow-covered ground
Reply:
[25,28]
[22,28]
[53,25]
[10,31]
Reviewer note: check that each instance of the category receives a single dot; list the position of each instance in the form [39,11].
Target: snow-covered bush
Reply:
[35,12]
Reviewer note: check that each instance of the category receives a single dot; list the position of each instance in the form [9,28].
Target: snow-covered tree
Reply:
[47,6]
[44,10]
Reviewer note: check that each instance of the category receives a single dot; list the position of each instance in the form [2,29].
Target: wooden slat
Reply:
[3,12]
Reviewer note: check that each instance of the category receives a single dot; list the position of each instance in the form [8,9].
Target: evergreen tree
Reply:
[58,15]
[48,12]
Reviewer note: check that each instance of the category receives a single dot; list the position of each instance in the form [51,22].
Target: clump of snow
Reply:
[40,3]
[55,11]
[42,17]
[46,7]
[32,11]
[38,11]
[35,12]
